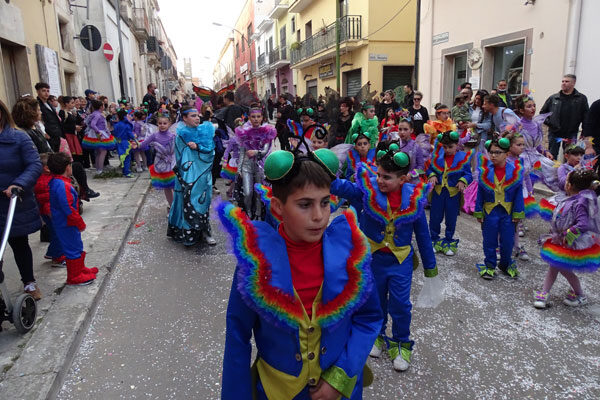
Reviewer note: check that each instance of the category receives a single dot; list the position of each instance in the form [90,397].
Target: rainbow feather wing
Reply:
[254,272]
[546,209]
[416,205]
[531,207]
[359,284]
[295,128]
[228,172]
[266,194]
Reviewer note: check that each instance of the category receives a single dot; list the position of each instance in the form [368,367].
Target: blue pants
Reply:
[54,248]
[305,393]
[443,206]
[497,227]
[127,165]
[393,281]
[70,241]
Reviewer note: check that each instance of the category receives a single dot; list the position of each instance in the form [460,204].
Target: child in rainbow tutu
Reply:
[574,242]
[161,171]
[97,136]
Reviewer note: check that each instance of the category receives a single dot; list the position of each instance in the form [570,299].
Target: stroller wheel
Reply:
[24,313]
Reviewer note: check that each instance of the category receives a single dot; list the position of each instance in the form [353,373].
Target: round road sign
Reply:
[108,51]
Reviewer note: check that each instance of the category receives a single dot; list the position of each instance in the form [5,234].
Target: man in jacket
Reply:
[591,125]
[506,100]
[150,98]
[52,123]
[569,109]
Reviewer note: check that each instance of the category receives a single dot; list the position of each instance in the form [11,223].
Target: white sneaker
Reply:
[139,169]
[376,351]
[210,240]
[449,252]
[575,301]
[521,233]
[377,347]
[400,364]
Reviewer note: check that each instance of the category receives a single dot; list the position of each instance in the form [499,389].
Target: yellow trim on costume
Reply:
[499,197]
[278,384]
[453,190]
[388,240]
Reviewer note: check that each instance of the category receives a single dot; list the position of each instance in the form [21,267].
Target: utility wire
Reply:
[390,20]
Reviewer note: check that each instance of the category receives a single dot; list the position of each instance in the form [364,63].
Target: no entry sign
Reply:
[108,51]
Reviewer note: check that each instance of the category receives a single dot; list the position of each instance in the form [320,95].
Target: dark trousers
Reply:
[554,144]
[23,257]
[216,167]
[80,176]
[87,156]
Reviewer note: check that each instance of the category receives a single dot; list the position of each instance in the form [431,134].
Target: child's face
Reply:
[256,119]
[191,119]
[389,181]
[443,115]
[69,170]
[46,170]
[497,156]
[404,131]
[450,149]
[529,110]
[362,147]
[305,121]
[369,113]
[305,213]
[390,113]
[163,124]
[318,143]
[517,146]
[573,159]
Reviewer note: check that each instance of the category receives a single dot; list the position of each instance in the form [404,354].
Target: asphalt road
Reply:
[159,329]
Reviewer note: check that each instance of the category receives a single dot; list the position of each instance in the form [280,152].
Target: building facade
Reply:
[55,54]
[264,37]
[244,48]
[224,70]
[376,46]
[535,43]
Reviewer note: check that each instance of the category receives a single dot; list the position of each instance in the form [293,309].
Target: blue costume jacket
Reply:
[354,159]
[509,195]
[377,222]
[459,171]
[66,220]
[262,302]
[123,133]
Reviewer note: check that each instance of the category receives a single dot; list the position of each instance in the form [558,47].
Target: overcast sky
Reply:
[189,26]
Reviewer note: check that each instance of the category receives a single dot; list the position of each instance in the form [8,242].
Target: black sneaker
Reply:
[91,194]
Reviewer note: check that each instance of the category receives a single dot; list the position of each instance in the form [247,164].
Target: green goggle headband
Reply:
[452,135]
[308,111]
[282,166]
[503,143]
[357,136]
[399,158]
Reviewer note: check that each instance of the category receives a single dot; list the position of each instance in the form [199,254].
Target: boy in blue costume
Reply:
[123,133]
[392,209]
[360,154]
[450,174]
[303,289]
[499,206]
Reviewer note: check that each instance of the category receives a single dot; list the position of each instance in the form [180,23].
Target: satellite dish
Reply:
[90,38]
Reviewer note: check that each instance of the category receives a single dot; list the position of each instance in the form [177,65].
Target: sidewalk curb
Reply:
[49,352]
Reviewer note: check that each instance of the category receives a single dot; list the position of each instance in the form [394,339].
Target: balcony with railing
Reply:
[262,58]
[350,30]
[278,57]
[152,50]
[279,9]
[141,26]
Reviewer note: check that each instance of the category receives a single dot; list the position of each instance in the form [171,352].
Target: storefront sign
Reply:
[378,57]
[326,71]
[243,68]
[441,38]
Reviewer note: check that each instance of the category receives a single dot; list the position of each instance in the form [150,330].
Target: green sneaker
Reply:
[438,246]
[511,271]
[486,272]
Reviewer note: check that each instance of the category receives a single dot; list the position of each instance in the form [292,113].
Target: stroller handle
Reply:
[15,192]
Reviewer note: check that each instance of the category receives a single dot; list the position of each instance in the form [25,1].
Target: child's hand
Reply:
[461,186]
[549,155]
[192,145]
[480,220]
[324,391]
[433,180]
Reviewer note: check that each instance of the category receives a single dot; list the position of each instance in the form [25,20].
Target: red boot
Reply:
[93,270]
[76,275]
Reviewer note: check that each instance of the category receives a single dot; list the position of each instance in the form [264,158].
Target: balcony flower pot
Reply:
[295,46]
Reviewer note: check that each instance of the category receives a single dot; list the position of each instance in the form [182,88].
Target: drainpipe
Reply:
[572,36]
[417,44]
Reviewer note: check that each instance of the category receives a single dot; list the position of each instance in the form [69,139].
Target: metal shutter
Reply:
[394,76]
[353,82]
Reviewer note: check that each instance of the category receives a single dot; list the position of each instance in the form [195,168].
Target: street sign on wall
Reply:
[107,49]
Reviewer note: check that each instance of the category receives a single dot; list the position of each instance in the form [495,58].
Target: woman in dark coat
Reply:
[20,167]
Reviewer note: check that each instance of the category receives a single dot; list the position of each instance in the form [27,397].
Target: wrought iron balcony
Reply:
[262,60]
[350,29]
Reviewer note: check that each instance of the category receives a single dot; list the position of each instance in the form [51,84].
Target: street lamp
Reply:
[248,43]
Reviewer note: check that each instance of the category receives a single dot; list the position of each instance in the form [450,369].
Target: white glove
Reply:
[432,293]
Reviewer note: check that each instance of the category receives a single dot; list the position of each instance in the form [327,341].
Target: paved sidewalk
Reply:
[30,364]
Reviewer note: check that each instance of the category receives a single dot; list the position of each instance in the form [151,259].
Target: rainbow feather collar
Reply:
[514,174]
[376,203]
[274,304]
[439,165]
[369,164]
